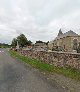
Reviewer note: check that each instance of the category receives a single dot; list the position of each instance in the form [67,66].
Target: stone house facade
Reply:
[40,46]
[68,41]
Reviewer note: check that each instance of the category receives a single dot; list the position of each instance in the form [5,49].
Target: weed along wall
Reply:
[55,58]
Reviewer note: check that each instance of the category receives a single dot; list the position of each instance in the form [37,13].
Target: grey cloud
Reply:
[38,19]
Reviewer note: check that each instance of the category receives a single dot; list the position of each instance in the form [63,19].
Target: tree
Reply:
[22,41]
[4,45]
[29,43]
[14,42]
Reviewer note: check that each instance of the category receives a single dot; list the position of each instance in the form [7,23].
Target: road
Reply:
[16,76]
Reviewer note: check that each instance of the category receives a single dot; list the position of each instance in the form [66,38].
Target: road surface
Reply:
[16,76]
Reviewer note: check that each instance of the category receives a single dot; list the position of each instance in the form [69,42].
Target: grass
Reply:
[67,71]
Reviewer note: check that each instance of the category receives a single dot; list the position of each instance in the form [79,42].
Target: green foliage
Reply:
[14,42]
[29,43]
[3,45]
[67,71]
[22,40]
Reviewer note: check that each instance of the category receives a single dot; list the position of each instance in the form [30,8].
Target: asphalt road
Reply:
[16,76]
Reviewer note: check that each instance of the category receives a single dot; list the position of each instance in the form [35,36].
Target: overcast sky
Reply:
[38,19]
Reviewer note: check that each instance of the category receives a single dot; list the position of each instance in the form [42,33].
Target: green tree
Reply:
[29,43]
[14,42]
[22,40]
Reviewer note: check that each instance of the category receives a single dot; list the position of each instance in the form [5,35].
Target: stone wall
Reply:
[55,58]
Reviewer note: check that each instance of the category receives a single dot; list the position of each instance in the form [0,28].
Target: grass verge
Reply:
[69,72]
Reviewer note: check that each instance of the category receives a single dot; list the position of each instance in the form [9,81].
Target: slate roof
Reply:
[69,33]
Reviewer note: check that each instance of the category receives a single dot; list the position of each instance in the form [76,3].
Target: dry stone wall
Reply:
[55,58]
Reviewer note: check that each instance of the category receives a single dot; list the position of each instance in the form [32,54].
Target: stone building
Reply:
[40,46]
[68,41]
